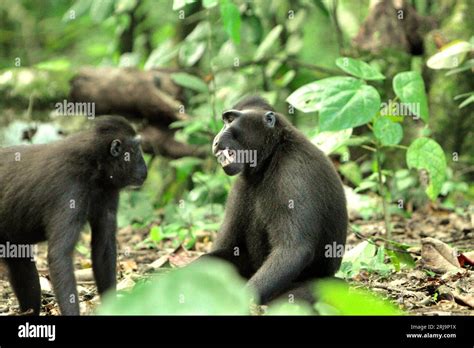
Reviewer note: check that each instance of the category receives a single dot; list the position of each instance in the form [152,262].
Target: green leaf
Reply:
[427,154]
[388,132]
[190,81]
[410,88]
[161,55]
[359,68]
[352,172]
[209,3]
[123,6]
[394,259]
[267,43]
[231,19]
[328,142]
[468,65]
[450,56]
[101,9]
[206,287]
[58,64]
[179,4]
[190,52]
[467,101]
[346,301]
[156,234]
[342,102]
[79,8]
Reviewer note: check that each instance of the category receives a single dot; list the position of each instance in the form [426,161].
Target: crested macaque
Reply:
[49,192]
[286,207]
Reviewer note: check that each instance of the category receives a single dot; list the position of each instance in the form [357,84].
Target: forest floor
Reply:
[415,290]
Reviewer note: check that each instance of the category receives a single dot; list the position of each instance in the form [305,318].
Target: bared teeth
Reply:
[225,157]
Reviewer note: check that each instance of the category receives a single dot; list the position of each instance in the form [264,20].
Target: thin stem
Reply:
[386,212]
[339,36]
[368,148]
[212,83]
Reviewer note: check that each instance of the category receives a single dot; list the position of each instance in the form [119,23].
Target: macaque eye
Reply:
[270,119]
[116,148]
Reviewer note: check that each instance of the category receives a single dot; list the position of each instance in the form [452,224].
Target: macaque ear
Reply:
[270,119]
[116,148]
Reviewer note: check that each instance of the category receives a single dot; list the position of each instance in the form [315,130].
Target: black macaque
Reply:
[49,192]
[286,212]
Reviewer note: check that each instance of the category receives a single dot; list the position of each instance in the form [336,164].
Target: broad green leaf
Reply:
[342,102]
[427,154]
[161,55]
[190,81]
[267,43]
[231,19]
[410,88]
[285,79]
[328,142]
[346,301]
[208,287]
[200,33]
[450,56]
[359,68]
[351,171]
[101,9]
[190,52]
[354,258]
[388,132]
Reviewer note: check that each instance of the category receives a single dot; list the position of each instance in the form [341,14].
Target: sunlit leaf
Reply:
[209,3]
[231,19]
[450,56]
[359,68]
[268,42]
[179,4]
[101,9]
[342,102]
[331,141]
[209,287]
[190,81]
[387,132]
[427,154]
[410,88]
[161,55]
[347,301]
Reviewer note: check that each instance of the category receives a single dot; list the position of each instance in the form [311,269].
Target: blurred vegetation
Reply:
[221,50]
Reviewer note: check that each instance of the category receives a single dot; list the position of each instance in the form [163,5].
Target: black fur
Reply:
[276,246]
[52,190]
